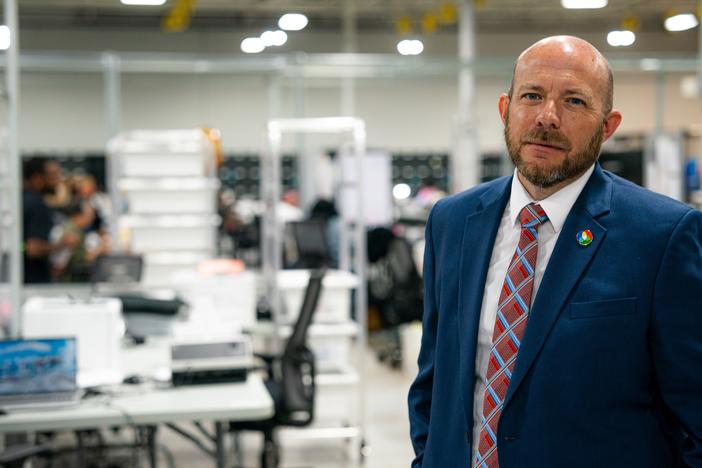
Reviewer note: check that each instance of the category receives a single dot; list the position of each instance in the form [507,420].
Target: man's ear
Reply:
[611,124]
[502,106]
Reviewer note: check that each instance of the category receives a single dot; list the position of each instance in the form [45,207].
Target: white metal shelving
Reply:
[340,376]
[164,188]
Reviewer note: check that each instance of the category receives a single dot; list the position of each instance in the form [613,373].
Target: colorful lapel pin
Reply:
[585,237]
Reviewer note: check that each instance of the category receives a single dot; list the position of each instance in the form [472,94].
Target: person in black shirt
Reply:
[37,222]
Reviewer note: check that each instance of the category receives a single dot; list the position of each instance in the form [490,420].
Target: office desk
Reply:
[151,407]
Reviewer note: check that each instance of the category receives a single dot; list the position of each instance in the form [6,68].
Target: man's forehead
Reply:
[565,60]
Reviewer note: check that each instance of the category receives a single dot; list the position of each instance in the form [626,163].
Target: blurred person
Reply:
[73,263]
[58,192]
[86,189]
[563,320]
[37,221]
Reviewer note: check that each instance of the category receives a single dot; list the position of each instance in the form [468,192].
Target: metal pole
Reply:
[12,79]
[305,172]
[349,46]
[271,249]
[659,109]
[360,255]
[112,95]
[465,159]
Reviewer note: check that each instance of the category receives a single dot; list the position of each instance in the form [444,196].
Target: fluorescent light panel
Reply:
[292,21]
[143,2]
[621,38]
[4,37]
[681,22]
[583,4]
[410,47]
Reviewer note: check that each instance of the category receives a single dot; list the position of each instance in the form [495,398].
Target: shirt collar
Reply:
[557,206]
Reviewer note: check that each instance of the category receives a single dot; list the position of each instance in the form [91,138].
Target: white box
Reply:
[170,196]
[97,325]
[160,267]
[334,301]
[170,232]
[220,304]
[163,153]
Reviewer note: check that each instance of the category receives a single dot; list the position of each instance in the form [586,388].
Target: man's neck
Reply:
[539,193]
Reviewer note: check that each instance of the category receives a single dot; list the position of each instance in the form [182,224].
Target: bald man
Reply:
[563,304]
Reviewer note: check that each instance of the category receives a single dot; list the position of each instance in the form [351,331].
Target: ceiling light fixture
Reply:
[252,45]
[274,38]
[292,22]
[4,37]
[410,47]
[681,22]
[143,2]
[583,4]
[621,38]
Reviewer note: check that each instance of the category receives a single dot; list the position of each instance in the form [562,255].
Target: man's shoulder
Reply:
[644,204]
[466,202]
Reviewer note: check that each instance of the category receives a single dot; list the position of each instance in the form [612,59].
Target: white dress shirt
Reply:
[557,207]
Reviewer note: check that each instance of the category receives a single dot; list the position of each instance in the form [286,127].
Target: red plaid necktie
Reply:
[512,316]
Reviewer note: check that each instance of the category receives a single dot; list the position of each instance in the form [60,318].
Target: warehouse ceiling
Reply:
[515,16]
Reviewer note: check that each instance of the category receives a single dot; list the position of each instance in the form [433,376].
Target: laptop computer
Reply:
[38,373]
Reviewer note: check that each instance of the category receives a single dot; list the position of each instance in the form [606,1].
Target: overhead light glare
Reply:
[401,191]
[292,21]
[681,22]
[583,4]
[252,45]
[410,47]
[4,37]
[143,2]
[274,38]
[621,38]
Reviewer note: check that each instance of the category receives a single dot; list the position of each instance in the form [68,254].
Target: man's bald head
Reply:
[576,49]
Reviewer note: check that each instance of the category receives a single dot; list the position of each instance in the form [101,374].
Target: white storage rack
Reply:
[337,340]
[164,190]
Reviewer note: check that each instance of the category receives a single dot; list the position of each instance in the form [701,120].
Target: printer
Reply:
[210,362]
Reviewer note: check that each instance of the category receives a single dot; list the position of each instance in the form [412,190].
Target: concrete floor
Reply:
[387,432]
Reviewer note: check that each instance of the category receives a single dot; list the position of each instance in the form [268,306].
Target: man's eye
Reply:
[531,96]
[576,101]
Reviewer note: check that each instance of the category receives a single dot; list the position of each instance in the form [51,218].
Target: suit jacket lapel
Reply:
[479,234]
[568,262]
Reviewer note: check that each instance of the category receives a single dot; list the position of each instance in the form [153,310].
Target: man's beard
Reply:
[571,167]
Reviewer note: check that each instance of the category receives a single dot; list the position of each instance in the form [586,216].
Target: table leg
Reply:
[151,444]
[219,440]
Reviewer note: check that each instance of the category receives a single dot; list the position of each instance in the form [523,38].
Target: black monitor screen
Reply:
[626,164]
[117,269]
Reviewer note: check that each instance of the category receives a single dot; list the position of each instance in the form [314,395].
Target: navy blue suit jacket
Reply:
[609,372]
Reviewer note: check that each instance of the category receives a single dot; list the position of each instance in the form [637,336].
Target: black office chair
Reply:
[290,380]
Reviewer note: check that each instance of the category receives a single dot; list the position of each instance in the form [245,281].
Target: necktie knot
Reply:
[532,215]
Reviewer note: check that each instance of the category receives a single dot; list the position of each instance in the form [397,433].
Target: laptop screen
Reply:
[37,366]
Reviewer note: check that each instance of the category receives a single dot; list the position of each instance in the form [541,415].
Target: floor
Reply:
[387,432]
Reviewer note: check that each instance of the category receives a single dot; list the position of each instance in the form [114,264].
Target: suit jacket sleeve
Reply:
[420,392]
[677,331]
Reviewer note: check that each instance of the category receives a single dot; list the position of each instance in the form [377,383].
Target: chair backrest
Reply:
[298,363]
[310,238]
[298,338]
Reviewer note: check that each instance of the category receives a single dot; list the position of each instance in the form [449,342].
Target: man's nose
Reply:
[548,116]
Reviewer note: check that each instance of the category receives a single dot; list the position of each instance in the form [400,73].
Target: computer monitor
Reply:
[117,268]
[311,242]
[36,366]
